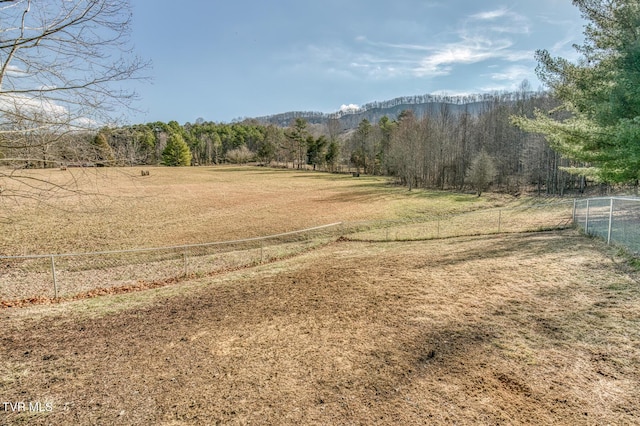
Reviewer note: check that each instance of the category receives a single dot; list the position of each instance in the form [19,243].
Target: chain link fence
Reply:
[615,219]
[536,217]
[72,274]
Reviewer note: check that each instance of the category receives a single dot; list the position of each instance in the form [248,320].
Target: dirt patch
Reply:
[530,328]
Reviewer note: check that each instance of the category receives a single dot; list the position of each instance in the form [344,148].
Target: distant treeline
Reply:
[433,147]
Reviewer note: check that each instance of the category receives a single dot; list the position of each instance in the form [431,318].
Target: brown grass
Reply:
[183,196]
[537,328]
[123,210]
[513,329]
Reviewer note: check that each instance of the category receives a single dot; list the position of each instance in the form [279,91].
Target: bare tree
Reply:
[59,60]
[406,145]
[240,155]
[334,128]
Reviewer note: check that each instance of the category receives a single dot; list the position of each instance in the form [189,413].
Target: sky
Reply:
[223,60]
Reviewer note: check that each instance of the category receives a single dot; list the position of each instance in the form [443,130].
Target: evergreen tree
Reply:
[104,152]
[481,172]
[298,135]
[331,156]
[316,150]
[600,94]
[177,152]
[266,147]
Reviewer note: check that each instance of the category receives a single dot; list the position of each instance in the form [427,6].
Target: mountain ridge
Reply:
[420,105]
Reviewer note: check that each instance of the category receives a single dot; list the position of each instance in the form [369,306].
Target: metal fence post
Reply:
[610,221]
[184,257]
[573,214]
[586,220]
[499,220]
[55,280]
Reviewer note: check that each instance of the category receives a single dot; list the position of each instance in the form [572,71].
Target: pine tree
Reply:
[331,156]
[177,152]
[104,152]
[600,94]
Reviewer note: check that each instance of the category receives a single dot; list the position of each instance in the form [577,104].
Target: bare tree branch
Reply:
[61,65]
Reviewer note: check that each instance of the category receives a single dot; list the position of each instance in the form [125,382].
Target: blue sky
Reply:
[245,58]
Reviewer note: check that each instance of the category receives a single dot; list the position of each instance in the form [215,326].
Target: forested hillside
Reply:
[420,105]
[433,142]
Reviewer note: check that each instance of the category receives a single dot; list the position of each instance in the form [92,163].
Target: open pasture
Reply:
[174,207]
[117,208]
[522,328]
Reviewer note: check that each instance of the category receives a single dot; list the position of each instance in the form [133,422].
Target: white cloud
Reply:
[504,20]
[452,93]
[515,73]
[27,106]
[509,78]
[478,42]
[455,55]
[493,14]
[481,37]
[349,108]
[38,112]
[401,46]
[15,71]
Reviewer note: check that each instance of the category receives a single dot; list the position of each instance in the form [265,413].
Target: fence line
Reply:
[480,222]
[180,247]
[70,274]
[614,219]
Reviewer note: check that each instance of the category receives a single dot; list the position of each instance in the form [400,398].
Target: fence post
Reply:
[438,233]
[261,251]
[499,220]
[184,257]
[610,221]
[53,274]
[573,214]
[586,220]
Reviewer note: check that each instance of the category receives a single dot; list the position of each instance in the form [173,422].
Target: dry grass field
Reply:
[120,209]
[531,328]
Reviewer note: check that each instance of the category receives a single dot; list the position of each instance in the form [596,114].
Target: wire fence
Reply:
[615,219]
[71,274]
[538,217]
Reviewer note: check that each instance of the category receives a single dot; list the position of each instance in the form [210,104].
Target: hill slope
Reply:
[420,105]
